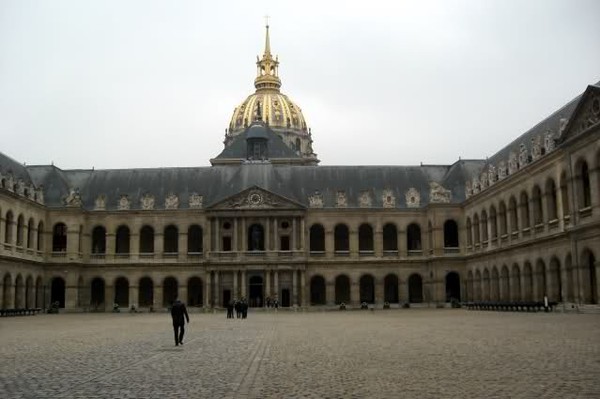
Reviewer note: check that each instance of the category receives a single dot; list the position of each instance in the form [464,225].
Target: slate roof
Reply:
[277,148]
[10,166]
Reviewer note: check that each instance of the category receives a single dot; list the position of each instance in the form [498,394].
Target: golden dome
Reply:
[277,110]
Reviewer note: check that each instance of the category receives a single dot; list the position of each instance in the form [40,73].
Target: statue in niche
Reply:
[147,201]
[20,189]
[492,176]
[536,147]
[523,156]
[483,180]
[475,185]
[502,170]
[10,182]
[549,141]
[100,203]
[73,199]
[513,165]
[468,189]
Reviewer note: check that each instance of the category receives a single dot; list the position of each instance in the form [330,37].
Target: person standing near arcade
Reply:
[178,312]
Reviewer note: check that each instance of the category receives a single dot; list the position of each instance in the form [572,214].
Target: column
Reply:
[354,292]
[207,238]
[353,237]
[72,240]
[276,283]
[217,294]
[236,293]
[134,245]
[244,240]
[330,292]
[71,292]
[402,290]
[111,244]
[268,243]
[295,288]
[402,249]
[207,279]
[10,296]
[158,242]
[109,296]
[134,293]
[182,247]
[244,284]
[378,282]
[303,300]
[182,293]
[158,297]
[378,244]
[329,243]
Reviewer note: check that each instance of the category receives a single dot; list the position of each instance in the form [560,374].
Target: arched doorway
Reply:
[367,289]
[390,289]
[97,294]
[452,287]
[415,288]
[122,292]
[170,289]
[57,291]
[256,238]
[255,292]
[194,292]
[317,290]
[146,292]
[342,289]
[590,279]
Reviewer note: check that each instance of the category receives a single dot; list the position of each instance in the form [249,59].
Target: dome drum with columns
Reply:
[281,114]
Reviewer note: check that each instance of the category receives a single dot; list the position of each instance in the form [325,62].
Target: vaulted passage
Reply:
[452,287]
[342,289]
[415,288]
[317,290]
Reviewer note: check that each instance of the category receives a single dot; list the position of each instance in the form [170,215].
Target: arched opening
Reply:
[527,282]
[195,292]
[170,291]
[8,226]
[469,233]
[97,288]
[39,293]
[40,236]
[122,240]
[146,240]
[555,284]
[484,227]
[486,287]
[512,210]
[57,291]
[413,237]
[415,288]
[341,238]
[590,279]
[171,240]
[564,194]
[194,239]
[342,289]
[493,222]
[256,292]
[20,227]
[7,297]
[476,231]
[122,292]
[317,238]
[390,238]
[536,198]
[524,204]
[365,238]
[29,293]
[570,289]
[30,233]
[583,184]
[452,287]
[470,294]
[495,285]
[504,284]
[317,290]
[367,289]
[256,238]
[59,238]
[477,284]
[502,217]
[390,289]
[19,291]
[99,240]
[551,208]
[540,281]
[146,292]
[516,284]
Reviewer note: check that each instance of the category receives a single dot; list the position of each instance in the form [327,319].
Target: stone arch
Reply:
[452,287]
[551,203]
[171,239]
[450,234]
[555,288]
[589,278]
[122,240]
[390,289]
[582,183]
[484,226]
[8,227]
[486,287]
[317,290]
[540,286]
[515,293]
[146,292]
[504,284]
[121,292]
[170,291]
[317,238]
[97,293]
[146,240]
[367,288]
[342,289]
[57,291]
[390,237]
[527,282]
[195,290]
[495,284]
[415,288]
[413,237]
[99,240]
[341,238]
[365,238]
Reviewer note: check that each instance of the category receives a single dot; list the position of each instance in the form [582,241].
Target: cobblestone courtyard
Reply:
[422,353]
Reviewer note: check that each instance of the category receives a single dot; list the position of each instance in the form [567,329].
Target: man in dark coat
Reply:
[178,312]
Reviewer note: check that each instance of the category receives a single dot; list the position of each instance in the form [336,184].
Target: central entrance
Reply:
[255,293]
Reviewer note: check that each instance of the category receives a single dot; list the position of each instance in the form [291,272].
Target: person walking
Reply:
[178,312]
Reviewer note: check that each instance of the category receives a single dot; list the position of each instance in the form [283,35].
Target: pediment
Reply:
[256,198]
[586,114]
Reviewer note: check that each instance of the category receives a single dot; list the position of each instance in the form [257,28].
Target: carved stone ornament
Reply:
[562,124]
[365,200]
[468,189]
[549,141]
[475,185]
[523,156]
[588,116]
[413,198]
[147,202]
[195,201]
[315,200]
[502,171]
[20,189]
[536,147]
[39,195]
[438,194]
[492,176]
[513,165]
[171,202]
[341,200]
[483,180]
[253,199]
[124,203]
[388,199]
[73,199]
[10,182]
[100,203]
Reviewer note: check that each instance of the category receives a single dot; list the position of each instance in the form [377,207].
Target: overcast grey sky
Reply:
[119,84]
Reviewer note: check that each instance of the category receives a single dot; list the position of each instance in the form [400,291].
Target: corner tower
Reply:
[275,109]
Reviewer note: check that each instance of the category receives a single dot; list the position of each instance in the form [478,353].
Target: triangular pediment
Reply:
[256,198]
[586,114]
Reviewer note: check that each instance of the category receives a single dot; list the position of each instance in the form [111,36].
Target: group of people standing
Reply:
[240,307]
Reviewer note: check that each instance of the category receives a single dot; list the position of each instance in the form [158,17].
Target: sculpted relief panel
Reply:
[100,203]
[388,199]
[124,203]
[365,200]
[315,200]
[147,201]
[438,194]
[413,198]
[171,201]
[195,201]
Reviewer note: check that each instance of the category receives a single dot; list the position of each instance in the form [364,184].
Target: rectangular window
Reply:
[284,243]
[226,244]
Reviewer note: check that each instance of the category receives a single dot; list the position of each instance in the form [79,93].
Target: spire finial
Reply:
[267,78]
[267,40]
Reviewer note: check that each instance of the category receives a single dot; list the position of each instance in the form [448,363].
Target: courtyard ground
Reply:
[405,353]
